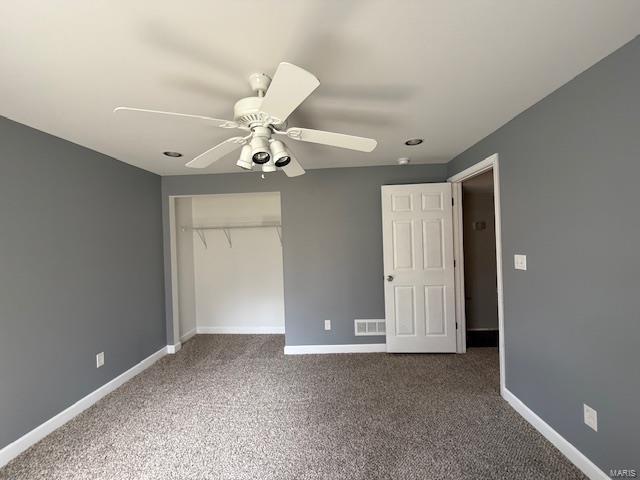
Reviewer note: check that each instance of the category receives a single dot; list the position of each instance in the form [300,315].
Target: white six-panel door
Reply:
[417,233]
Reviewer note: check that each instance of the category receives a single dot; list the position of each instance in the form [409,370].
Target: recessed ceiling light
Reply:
[414,141]
[172,154]
[403,161]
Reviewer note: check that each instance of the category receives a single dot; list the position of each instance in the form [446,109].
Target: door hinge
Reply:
[454,264]
[456,325]
[453,202]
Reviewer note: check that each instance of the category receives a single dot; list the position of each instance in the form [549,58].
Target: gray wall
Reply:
[481,298]
[569,173]
[80,273]
[332,237]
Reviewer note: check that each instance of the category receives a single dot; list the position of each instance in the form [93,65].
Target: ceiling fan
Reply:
[264,116]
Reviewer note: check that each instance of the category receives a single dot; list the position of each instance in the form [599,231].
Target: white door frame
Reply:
[173,241]
[490,163]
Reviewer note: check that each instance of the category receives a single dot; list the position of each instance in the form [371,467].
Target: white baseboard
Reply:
[175,348]
[241,330]
[320,349]
[568,450]
[188,335]
[20,445]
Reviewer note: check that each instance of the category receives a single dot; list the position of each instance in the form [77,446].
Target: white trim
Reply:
[173,249]
[188,335]
[567,449]
[489,163]
[473,170]
[458,255]
[321,349]
[241,330]
[27,440]
[175,348]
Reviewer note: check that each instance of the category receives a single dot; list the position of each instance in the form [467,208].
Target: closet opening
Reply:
[227,265]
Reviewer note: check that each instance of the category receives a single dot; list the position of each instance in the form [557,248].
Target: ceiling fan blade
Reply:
[216,121]
[293,168]
[288,89]
[334,139]
[216,153]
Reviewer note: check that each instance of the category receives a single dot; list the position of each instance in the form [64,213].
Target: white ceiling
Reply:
[448,71]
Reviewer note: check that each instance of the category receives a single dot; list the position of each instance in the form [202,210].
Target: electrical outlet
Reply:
[590,417]
[99,359]
[520,262]
[327,324]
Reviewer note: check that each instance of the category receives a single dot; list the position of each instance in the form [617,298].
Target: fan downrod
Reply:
[259,83]
[246,111]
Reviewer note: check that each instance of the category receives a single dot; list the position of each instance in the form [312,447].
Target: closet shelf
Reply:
[200,229]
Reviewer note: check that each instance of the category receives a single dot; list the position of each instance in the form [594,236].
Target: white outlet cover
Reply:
[327,324]
[590,417]
[99,359]
[520,261]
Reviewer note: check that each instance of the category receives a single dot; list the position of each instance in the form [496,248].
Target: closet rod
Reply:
[229,227]
[200,230]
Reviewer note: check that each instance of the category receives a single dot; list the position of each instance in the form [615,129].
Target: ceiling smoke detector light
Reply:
[414,141]
[172,154]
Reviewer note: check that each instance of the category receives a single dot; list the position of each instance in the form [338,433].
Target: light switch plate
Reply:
[327,324]
[99,359]
[520,261]
[590,417]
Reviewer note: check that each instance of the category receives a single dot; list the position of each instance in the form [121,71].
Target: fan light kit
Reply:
[281,156]
[245,158]
[414,141]
[263,116]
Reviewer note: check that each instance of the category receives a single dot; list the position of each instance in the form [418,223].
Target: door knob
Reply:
[389,278]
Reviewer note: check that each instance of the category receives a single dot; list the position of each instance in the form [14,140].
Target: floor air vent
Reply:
[369,327]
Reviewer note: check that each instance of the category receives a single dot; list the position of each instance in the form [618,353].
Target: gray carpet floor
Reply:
[234,407]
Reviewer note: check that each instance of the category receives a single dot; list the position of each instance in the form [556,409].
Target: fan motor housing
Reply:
[247,113]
